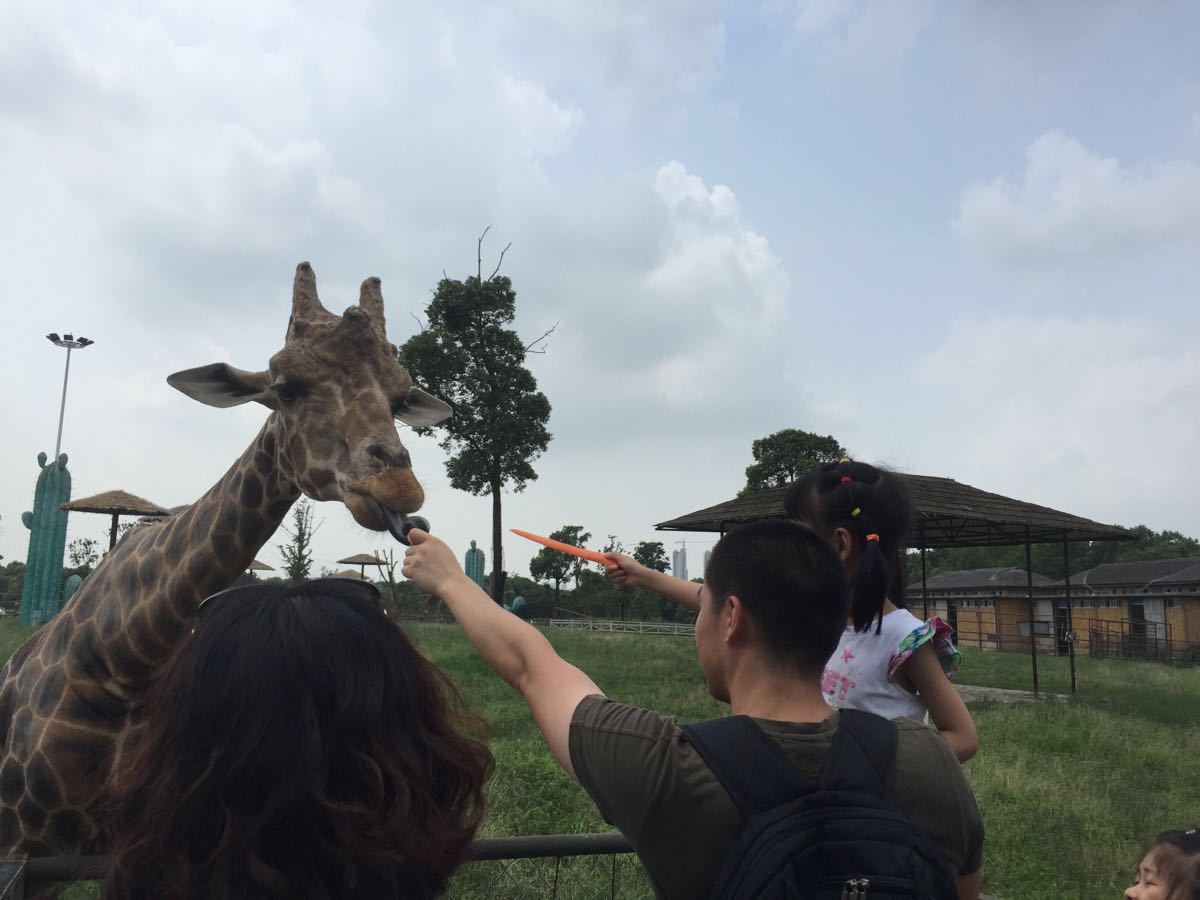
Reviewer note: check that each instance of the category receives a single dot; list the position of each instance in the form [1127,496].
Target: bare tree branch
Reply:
[501,262]
[530,348]
[479,254]
[417,319]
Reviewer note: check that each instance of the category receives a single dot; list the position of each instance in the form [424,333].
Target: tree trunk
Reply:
[497,553]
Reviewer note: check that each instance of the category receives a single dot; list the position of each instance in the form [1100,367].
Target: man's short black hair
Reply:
[792,584]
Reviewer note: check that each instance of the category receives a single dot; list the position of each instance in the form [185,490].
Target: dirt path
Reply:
[973,694]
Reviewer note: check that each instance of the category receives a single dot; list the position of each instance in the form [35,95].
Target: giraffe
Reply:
[69,696]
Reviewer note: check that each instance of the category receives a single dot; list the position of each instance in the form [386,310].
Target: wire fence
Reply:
[575,866]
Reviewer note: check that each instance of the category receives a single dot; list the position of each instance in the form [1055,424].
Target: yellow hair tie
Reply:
[844,459]
[854,512]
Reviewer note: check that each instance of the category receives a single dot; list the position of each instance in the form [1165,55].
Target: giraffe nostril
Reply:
[391,456]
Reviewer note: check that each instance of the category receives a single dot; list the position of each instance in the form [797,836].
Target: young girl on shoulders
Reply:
[888,661]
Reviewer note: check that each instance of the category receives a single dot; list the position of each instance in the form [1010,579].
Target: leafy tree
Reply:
[551,565]
[467,355]
[784,456]
[652,555]
[84,553]
[297,552]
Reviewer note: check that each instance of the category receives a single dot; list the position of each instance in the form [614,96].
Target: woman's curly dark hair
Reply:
[297,746]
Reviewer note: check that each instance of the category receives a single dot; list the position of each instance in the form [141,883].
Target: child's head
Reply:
[791,585]
[1170,870]
[865,513]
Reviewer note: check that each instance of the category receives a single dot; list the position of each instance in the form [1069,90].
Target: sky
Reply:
[961,237]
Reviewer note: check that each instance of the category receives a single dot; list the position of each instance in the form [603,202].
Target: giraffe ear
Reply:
[222,385]
[421,410]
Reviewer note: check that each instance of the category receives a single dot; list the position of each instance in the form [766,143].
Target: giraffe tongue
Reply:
[399,524]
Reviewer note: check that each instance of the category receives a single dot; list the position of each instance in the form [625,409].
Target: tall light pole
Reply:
[71,343]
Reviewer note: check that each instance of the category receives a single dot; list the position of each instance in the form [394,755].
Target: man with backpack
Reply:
[785,797]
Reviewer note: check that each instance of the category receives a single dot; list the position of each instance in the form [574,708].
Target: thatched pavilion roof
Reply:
[256,566]
[361,559]
[946,513]
[115,503]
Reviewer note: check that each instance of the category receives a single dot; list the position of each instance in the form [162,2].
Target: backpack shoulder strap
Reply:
[863,755]
[752,768]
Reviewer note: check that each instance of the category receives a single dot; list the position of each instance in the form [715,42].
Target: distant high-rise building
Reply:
[679,563]
[707,557]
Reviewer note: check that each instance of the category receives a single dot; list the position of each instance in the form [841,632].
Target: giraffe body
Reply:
[70,696]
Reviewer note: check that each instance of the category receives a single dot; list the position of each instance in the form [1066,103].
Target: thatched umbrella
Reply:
[256,566]
[115,504]
[350,573]
[362,560]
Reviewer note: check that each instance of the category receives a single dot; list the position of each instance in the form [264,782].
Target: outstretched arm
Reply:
[627,571]
[946,709]
[514,649]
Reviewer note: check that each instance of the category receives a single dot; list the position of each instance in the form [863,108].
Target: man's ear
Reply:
[734,621]
[222,385]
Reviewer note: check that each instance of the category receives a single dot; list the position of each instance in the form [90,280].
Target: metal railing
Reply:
[622,627]
[549,865]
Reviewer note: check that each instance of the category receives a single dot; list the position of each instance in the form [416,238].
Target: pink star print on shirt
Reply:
[847,655]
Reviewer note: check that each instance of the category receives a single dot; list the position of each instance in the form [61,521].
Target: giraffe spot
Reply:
[108,621]
[229,517]
[68,827]
[10,827]
[12,782]
[85,662]
[20,734]
[252,522]
[202,523]
[177,544]
[31,814]
[278,508]
[252,493]
[49,691]
[42,782]
[89,704]
[263,464]
[222,545]
[321,478]
[83,758]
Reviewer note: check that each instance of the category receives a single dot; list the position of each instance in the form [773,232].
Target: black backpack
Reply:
[835,836]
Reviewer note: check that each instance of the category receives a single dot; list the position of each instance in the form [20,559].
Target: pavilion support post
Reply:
[112,532]
[1032,631]
[1070,623]
[924,580]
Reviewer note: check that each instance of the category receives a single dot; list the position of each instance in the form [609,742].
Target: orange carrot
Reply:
[591,555]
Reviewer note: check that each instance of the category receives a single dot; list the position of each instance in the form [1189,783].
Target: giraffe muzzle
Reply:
[400,524]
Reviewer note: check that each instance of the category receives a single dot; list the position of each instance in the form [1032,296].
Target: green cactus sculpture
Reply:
[47,524]
[473,565]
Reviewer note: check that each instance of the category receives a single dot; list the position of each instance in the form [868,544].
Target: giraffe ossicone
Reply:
[69,695]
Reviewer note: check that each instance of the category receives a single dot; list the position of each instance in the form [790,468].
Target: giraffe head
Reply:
[335,388]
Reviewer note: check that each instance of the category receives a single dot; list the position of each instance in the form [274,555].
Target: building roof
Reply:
[117,503]
[1142,574]
[981,579]
[946,513]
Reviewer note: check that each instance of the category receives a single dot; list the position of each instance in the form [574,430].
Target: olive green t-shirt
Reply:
[652,785]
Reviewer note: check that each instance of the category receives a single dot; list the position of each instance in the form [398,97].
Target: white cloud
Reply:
[1071,202]
[547,127]
[1092,414]
[859,32]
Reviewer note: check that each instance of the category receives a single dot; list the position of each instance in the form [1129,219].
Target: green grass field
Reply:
[1069,791]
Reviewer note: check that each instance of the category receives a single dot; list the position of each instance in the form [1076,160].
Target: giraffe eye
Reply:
[288,391]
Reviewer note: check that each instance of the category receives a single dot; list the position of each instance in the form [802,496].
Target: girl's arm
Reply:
[923,673]
[626,570]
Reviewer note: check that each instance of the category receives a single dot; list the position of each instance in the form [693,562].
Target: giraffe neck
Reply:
[144,594]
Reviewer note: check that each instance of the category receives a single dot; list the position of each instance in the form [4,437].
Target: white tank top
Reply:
[857,675]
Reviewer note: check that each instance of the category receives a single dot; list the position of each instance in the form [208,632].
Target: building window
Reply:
[1170,603]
